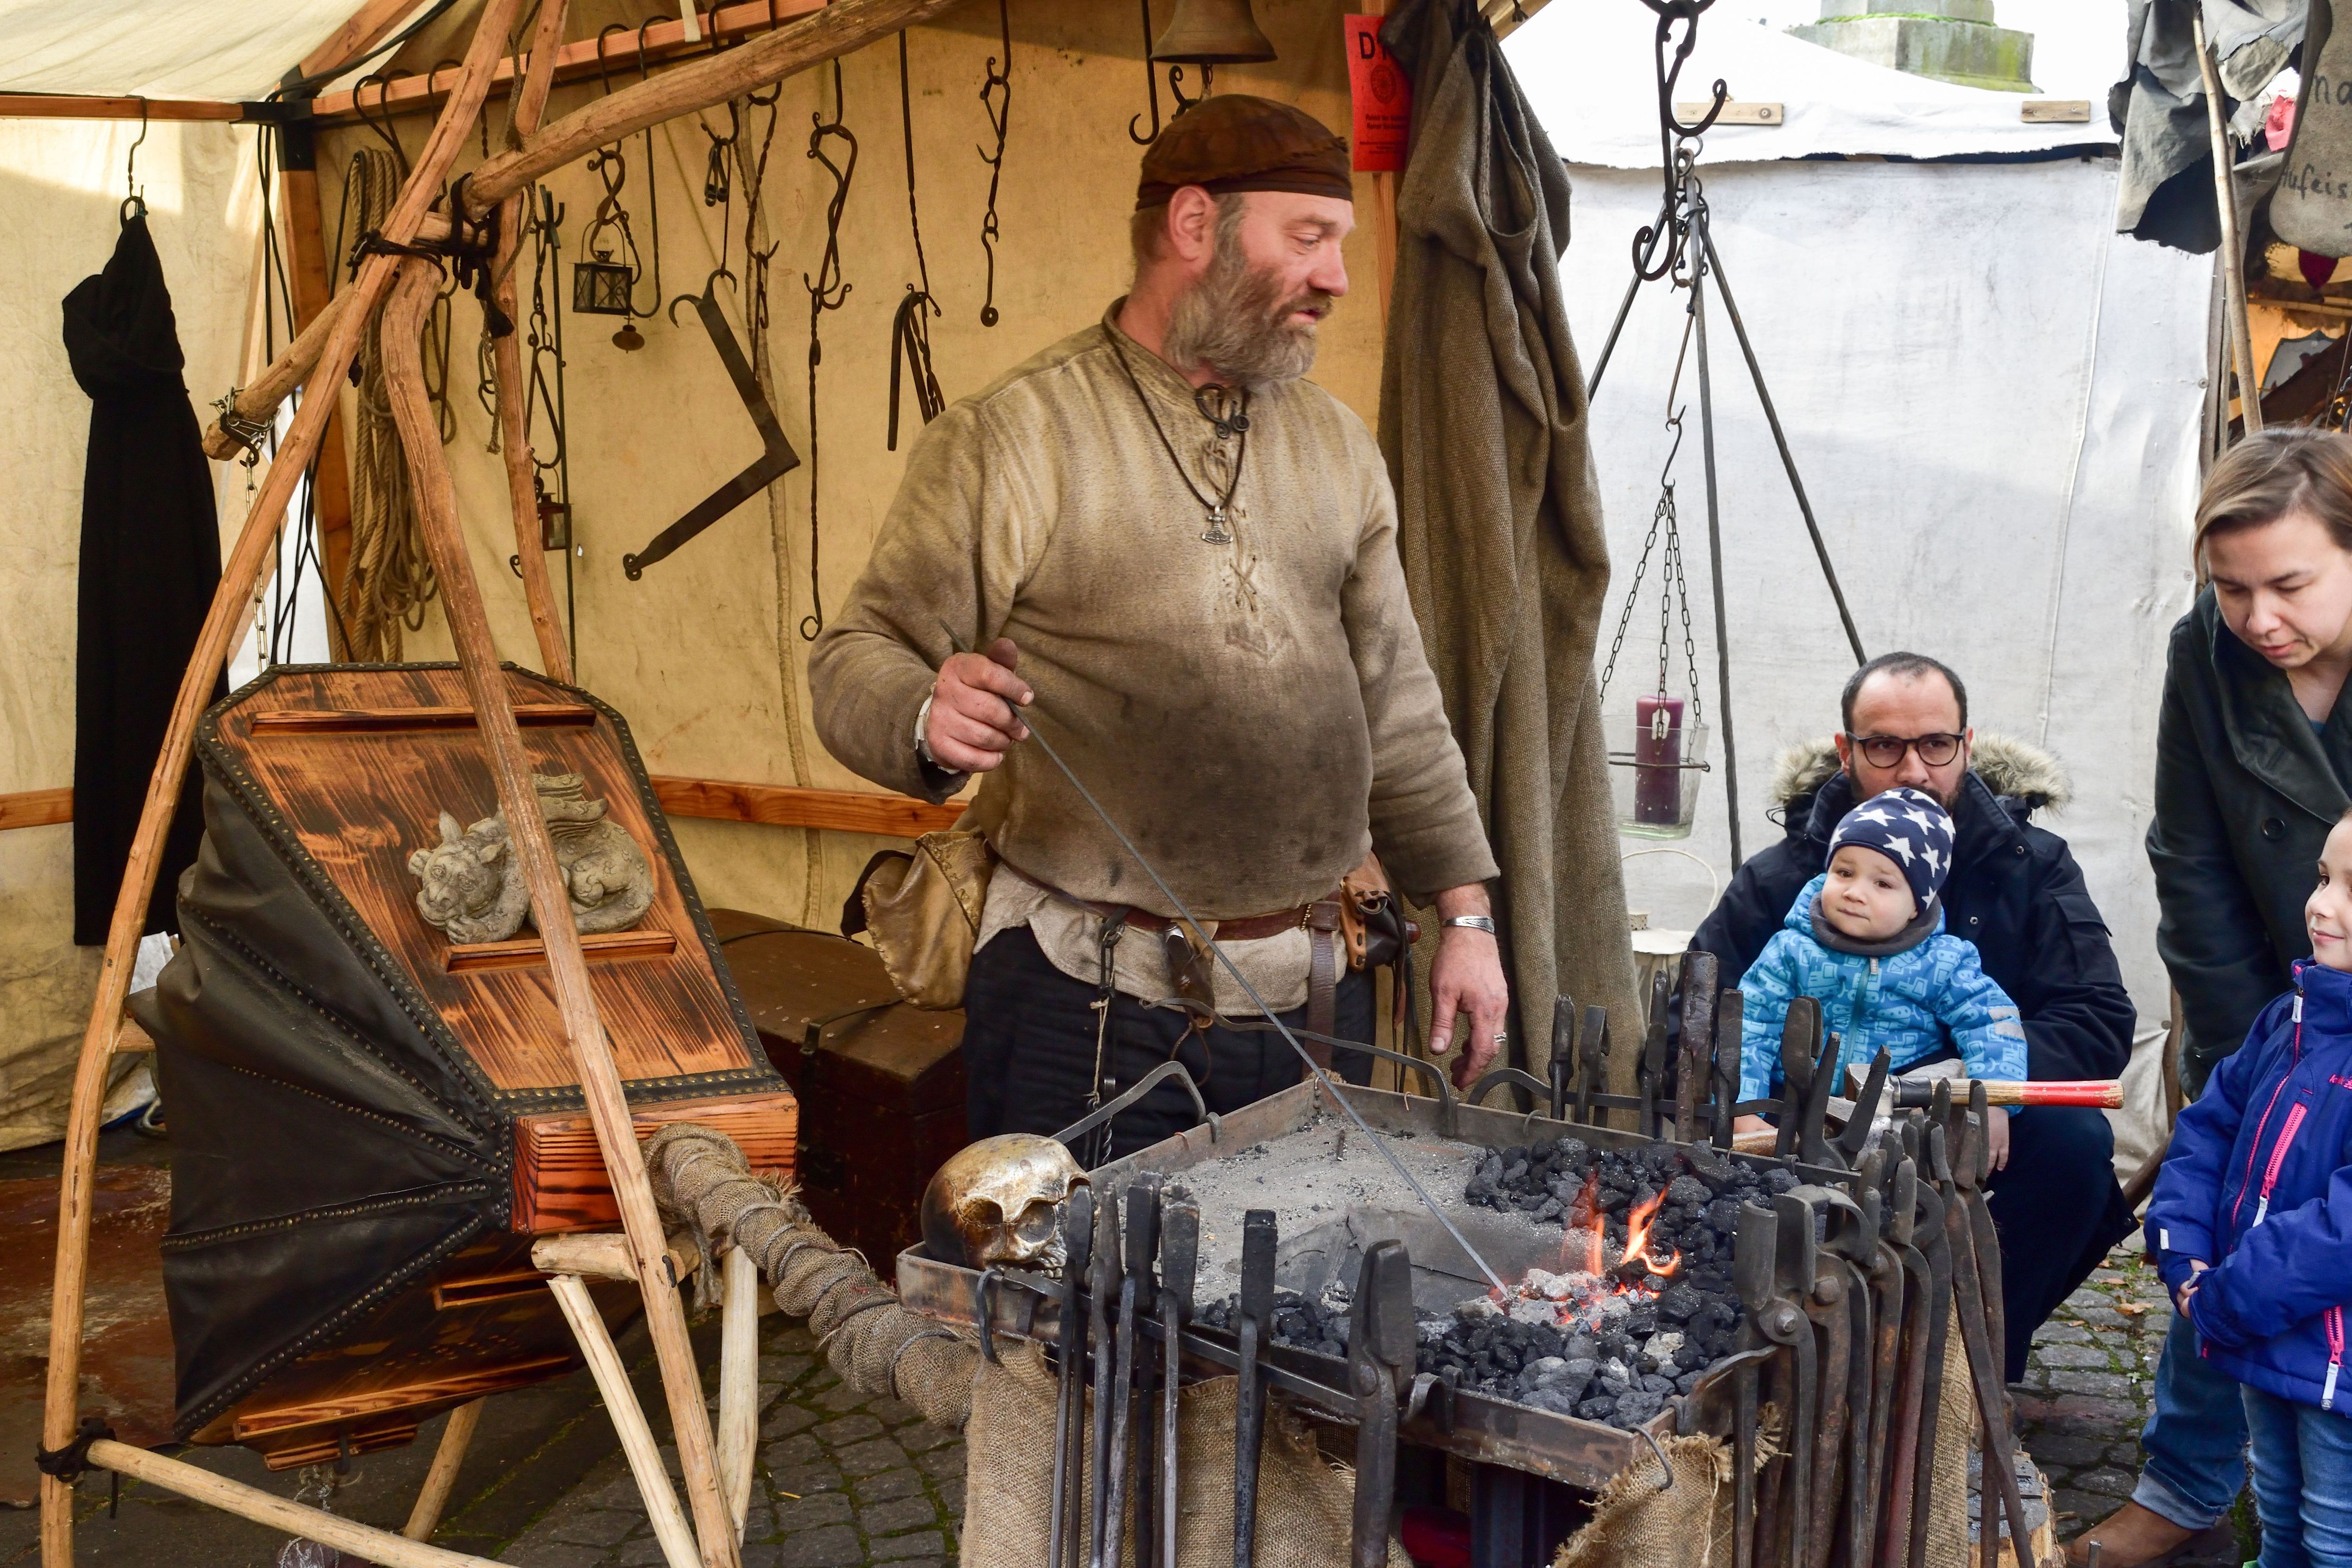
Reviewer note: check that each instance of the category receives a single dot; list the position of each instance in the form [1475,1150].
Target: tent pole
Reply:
[254,546]
[2234,254]
[506,367]
[1715,545]
[309,271]
[590,1047]
[1713,266]
[840,28]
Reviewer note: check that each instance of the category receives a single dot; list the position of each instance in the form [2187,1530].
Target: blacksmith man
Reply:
[1184,554]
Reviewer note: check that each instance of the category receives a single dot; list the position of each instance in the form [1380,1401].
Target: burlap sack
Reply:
[2313,206]
[1304,1504]
[1638,1520]
[1956,1434]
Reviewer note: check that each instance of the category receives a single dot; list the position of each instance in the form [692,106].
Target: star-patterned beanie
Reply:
[1908,827]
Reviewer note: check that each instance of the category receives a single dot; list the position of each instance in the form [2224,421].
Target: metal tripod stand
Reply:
[1690,261]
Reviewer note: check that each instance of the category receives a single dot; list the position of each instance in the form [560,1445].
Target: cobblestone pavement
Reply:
[842,1479]
[2086,1395]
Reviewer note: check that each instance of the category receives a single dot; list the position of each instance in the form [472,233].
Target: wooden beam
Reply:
[435,491]
[35,808]
[308,274]
[363,30]
[576,61]
[834,30]
[267,1508]
[788,806]
[76,105]
[512,386]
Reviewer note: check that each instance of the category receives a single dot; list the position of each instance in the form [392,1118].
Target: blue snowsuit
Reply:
[1908,1003]
[2259,1185]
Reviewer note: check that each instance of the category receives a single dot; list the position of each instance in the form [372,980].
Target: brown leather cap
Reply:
[1236,143]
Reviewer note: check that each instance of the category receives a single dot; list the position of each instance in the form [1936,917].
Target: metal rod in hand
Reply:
[1184,913]
[1699,269]
[1713,265]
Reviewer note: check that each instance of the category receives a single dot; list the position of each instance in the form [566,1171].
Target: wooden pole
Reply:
[2234,254]
[739,1380]
[254,546]
[433,1497]
[660,42]
[258,401]
[599,1078]
[507,374]
[838,29]
[360,1540]
[628,1419]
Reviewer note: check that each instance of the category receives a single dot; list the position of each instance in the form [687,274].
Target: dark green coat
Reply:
[2246,791]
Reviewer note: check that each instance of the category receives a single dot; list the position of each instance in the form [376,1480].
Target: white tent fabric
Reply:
[160,48]
[1586,65]
[61,187]
[1993,403]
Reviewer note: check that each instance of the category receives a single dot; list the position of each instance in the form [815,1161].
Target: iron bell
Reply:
[1213,33]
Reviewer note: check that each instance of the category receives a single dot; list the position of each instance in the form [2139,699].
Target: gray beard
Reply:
[1233,323]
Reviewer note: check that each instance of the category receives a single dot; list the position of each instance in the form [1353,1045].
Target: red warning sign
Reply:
[1382,96]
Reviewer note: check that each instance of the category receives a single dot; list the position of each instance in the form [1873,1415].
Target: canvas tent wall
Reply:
[704,653]
[61,182]
[1992,399]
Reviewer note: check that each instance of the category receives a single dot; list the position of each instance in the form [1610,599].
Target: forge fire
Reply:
[1639,1305]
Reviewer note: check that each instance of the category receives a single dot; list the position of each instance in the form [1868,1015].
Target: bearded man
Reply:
[1180,558]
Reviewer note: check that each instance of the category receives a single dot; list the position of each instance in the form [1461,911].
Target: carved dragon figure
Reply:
[471,888]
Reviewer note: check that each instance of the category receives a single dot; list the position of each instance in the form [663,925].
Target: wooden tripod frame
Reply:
[401,287]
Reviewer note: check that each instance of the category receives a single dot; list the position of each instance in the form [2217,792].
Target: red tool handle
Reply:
[2105,1093]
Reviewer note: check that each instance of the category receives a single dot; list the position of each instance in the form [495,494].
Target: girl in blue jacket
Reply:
[1866,940]
[2252,1229]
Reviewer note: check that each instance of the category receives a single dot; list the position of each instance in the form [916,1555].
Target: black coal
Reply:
[1611,1346]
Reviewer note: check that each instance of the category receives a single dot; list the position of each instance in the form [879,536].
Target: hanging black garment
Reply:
[149,562]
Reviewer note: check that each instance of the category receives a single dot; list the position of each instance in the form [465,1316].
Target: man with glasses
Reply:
[2014,892]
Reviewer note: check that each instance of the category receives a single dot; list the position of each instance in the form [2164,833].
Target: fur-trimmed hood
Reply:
[2009,767]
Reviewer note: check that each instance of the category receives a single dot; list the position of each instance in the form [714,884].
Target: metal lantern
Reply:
[1213,33]
[1654,780]
[602,287]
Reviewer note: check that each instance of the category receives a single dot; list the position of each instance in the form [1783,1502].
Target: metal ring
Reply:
[1665,1468]
[985,1292]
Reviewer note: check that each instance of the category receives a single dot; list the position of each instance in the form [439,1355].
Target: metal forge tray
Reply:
[1477,1426]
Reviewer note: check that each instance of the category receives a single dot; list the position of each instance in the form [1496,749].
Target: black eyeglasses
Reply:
[1886,751]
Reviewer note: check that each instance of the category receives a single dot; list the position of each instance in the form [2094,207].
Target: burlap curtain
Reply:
[1482,422]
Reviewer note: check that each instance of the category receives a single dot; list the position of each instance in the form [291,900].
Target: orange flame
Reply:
[1637,1239]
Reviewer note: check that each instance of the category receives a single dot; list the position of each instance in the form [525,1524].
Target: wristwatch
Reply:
[1475,923]
[922,721]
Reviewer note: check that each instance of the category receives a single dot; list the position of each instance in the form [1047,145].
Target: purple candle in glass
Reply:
[1657,761]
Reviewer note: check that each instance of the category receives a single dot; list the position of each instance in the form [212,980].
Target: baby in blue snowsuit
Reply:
[1866,940]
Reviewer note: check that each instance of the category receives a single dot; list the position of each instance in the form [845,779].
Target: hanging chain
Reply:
[826,292]
[756,260]
[1674,582]
[910,330]
[996,96]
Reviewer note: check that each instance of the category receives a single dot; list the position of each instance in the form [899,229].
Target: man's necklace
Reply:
[1237,423]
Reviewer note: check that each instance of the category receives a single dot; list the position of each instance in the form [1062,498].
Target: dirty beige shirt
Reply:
[1255,715]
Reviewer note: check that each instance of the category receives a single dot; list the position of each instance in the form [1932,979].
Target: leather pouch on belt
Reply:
[1372,917]
[923,912]
[1191,969]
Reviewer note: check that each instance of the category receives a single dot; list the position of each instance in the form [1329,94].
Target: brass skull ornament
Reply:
[997,1203]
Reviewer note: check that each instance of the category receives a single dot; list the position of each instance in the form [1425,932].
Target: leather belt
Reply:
[1189,966]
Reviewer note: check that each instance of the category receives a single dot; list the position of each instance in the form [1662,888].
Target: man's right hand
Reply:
[973,719]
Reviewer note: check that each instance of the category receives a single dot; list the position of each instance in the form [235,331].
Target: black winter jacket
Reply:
[2014,892]
[2246,791]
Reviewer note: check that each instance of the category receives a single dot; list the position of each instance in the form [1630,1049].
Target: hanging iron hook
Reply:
[1151,85]
[131,198]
